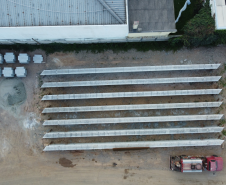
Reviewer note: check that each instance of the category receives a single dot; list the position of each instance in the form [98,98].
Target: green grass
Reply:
[221,35]
[222,121]
[186,15]
[222,82]
[95,48]
[224,132]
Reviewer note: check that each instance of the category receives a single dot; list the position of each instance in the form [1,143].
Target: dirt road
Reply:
[23,162]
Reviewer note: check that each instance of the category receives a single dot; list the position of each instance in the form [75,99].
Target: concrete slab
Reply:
[8,72]
[20,72]
[9,58]
[23,58]
[38,59]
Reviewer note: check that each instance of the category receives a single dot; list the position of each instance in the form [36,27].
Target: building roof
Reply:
[153,15]
[20,13]
[220,6]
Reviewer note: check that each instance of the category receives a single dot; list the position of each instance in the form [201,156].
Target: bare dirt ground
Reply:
[23,162]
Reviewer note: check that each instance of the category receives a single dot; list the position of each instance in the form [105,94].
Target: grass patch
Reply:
[221,38]
[224,132]
[199,31]
[222,82]
[186,15]
[222,121]
[95,48]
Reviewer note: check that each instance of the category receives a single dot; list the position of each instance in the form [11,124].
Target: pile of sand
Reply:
[12,92]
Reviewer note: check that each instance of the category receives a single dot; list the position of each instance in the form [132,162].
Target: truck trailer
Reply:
[186,164]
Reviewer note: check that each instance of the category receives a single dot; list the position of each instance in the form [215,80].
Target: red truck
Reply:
[185,163]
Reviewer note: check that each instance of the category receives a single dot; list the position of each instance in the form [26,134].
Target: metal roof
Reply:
[16,13]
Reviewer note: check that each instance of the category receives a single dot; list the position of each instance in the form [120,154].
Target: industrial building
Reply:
[85,21]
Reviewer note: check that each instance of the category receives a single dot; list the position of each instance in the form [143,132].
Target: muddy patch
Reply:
[66,163]
[31,121]
[5,148]
[12,92]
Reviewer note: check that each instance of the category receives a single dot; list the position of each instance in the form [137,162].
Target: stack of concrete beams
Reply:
[38,59]
[133,132]
[8,72]
[9,58]
[134,119]
[131,69]
[24,58]
[133,81]
[132,107]
[131,94]
[134,144]
[21,72]
[146,144]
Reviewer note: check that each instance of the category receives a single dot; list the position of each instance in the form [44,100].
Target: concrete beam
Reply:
[134,144]
[102,133]
[131,94]
[134,119]
[130,69]
[132,107]
[132,82]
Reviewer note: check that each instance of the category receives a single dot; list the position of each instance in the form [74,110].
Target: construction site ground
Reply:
[22,160]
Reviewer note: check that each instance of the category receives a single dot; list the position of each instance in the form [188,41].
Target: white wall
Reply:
[64,32]
[149,34]
[218,8]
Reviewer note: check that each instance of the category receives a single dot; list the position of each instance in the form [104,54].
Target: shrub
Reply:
[199,31]
[224,132]
[95,48]
[221,36]
[222,121]
[186,15]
